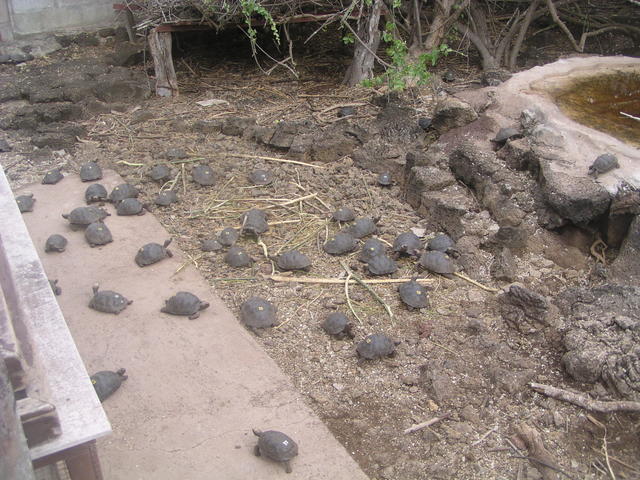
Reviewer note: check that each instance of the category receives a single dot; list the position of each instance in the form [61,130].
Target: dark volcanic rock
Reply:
[524,309]
[626,267]
[504,266]
[578,199]
[451,113]
[426,179]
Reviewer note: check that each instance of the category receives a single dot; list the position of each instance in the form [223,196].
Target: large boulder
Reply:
[452,113]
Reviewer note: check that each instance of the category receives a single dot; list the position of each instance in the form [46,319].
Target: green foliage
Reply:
[403,71]
[348,39]
[251,7]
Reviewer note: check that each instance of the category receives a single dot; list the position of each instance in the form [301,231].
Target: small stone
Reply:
[414,389]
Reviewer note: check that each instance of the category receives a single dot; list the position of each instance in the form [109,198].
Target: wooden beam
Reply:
[160,46]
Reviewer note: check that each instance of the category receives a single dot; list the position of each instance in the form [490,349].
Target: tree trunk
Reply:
[367,43]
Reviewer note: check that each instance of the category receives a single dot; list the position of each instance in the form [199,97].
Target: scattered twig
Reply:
[484,436]
[629,116]
[477,284]
[340,105]
[443,347]
[538,453]
[346,293]
[130,164]
[617,460]
[274,159]
[543,464]
[191,260]
[428,423]
[293,315]
[369,289]
[335,281]
[584,402]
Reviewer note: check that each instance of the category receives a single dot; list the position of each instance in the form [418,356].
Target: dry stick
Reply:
[336,281]
[124,162]
[617,460]
[184,182]
[274,159]
[443,347]
[340,105]
[584,402]
[544,464]
[629,116]
[191,260]
[428,423]
[346,293]
[369,289]
[483,437]
[306,305]
[473,282]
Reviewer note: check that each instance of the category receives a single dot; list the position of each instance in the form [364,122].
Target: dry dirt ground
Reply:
[456,359]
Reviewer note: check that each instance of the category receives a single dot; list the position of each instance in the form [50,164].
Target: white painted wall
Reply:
[40,16]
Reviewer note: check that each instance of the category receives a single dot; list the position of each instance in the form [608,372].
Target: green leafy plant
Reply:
[251,7]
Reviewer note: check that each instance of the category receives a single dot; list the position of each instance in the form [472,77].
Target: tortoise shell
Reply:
[441,243]
[107,301]
[339,244]
[335,324]
[413,294]
[371,248]
[256,312]
[122,191]
[254,222]
[55,288]
[211,245]
[407,243]
[363,227]
[346,111]
[152,253]
[603,164]
[437,262]
[130,206]
[90,172]
[505,134]
[228,237]
[203,175]
[96,193]
[261,177]
[97,233]
[166,197]
[52,177]
[375,346]
[160,173]
[382,265]
[83,216]
[25,202]
[293,260]
[55,243]
[343,214]
[106,383]
[236,257]
[186,304]
[384,179]
[176,153]
[276,446]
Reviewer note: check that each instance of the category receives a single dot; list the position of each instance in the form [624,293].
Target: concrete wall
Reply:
[39,16]
[6,31]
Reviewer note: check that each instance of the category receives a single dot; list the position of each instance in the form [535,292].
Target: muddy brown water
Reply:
[598,101]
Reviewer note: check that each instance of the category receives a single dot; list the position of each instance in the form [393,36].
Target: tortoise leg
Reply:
[256,451]
[287,466]
[169,254]
[194,316]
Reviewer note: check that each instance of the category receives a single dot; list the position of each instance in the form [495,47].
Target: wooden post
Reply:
[15,461]
[160,46]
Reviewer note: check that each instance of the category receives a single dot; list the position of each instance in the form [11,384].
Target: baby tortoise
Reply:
[293,260]
[437,262]
[407,243]
[413,295]
[25,202]
[339,244]
[363,227]
[184,303]
[203,175]
[346,112]
[442,243]
[343,214]
[130,206]
[55,243]
[236,257]
[505,134]
[424,123]
[176,153]
[152,253]
[375,346]
[382,265]
[52,177]
[107,301]
[211,245]
[261,177]
[228,237]
[83,216]
[55,288]
[276,446]
[96,193]
[254,222]
[98,234]
[256,312]
[122,191]
[160,173]
[603,164]
[384,179]
[106,383]
[90,172]
[337,324]
[165,198]
[371,248]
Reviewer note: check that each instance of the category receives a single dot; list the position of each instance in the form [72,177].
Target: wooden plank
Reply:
[160,46]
